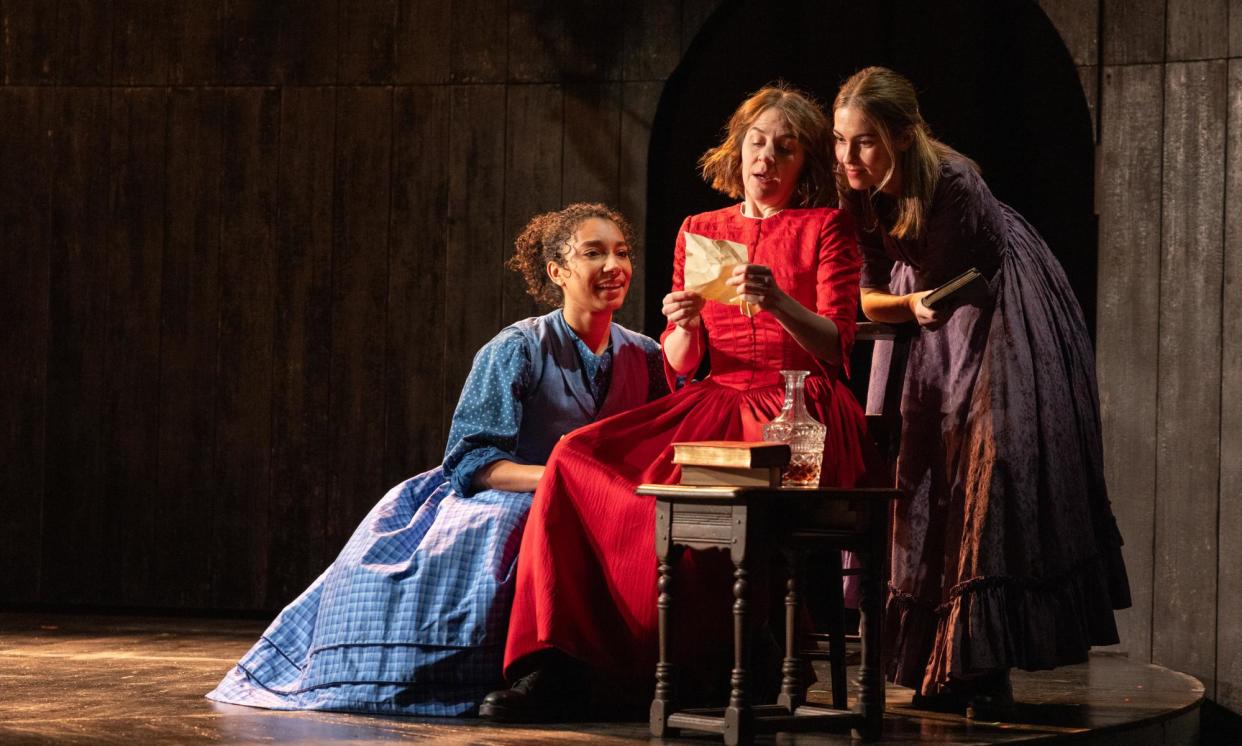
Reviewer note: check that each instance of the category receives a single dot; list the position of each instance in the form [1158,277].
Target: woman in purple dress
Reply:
[1005,553]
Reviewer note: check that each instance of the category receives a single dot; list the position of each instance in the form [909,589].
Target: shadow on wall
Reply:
[994,79]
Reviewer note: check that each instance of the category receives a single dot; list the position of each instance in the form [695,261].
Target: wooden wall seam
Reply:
[1188,374]
[1229,584]
[1128,188]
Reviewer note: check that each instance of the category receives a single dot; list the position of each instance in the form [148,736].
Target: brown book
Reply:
[737,453]
[968,287]
[731,476]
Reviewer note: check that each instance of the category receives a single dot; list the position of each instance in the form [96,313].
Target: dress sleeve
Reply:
[679,267]
[489,413]
[657,378]
[837,273]
[960,225]
[679,283]
[877,265]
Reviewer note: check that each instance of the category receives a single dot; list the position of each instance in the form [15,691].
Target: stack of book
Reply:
[732,463]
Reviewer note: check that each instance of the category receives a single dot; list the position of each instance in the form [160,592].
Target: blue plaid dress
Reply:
[411,617]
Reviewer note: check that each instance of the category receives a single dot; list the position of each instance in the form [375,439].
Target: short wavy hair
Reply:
[721,166]
[546,239]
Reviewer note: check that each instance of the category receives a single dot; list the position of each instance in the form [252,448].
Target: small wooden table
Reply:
[755,522]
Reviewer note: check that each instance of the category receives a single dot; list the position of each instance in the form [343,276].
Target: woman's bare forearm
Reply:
[509,476]
[683,349]
[878,304]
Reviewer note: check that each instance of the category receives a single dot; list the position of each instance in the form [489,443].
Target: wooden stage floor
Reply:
[113,680]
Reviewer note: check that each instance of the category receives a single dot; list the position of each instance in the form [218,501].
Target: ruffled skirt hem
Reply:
[999,622]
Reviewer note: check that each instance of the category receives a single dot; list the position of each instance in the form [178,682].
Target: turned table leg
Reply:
[870,607]
[793,692]
[739,724]
[667,554]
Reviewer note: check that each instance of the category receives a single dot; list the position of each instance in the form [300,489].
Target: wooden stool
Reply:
[754,523]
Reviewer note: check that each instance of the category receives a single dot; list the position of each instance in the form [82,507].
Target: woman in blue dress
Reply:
[411,617]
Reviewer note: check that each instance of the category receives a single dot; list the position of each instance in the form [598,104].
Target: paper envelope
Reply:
[709,261]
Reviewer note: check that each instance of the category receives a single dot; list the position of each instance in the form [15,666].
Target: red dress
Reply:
[586,579]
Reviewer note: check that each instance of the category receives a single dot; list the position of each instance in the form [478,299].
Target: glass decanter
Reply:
[804,434]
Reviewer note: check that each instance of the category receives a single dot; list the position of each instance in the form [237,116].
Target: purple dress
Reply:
[1005,552]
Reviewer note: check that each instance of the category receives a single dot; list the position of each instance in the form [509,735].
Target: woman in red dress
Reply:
[586,586]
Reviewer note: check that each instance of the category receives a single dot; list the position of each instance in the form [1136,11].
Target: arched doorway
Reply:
[994,80]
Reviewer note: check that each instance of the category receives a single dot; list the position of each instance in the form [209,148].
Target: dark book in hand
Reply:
[968,287]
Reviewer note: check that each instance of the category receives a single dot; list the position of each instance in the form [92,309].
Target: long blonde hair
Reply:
[721,166]
[888,101]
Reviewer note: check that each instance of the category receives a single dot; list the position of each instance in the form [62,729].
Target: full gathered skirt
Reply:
[409,619]
[1005,552]
[587,569]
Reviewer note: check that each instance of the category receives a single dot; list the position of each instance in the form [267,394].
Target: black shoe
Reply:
[945,701]
[534,698]
[993,698]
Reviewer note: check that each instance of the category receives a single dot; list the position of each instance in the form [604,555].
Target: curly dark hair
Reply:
[545,239]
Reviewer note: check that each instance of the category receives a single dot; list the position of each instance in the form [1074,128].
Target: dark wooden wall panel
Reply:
[479,49]
[592,49]
[638,109]
[1089,77]
[24,192]
[302,343]
[1078,23]
[564,42]
[476,241]
[142,43]
[417,289]
[1128,320]
[421,39]
[279,41]
[590,169]
[359,299]
[243,443]
[1197,29]
[29,42]
[83,42]
[1229,634]
[533,145]
[1132,31]
[1188,410]
[131,411]
[250,343]
[250,39]
[652,40]
[189,346]
[367,50]
[78,126]
[196,41]
[537,34]
[1235,28]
